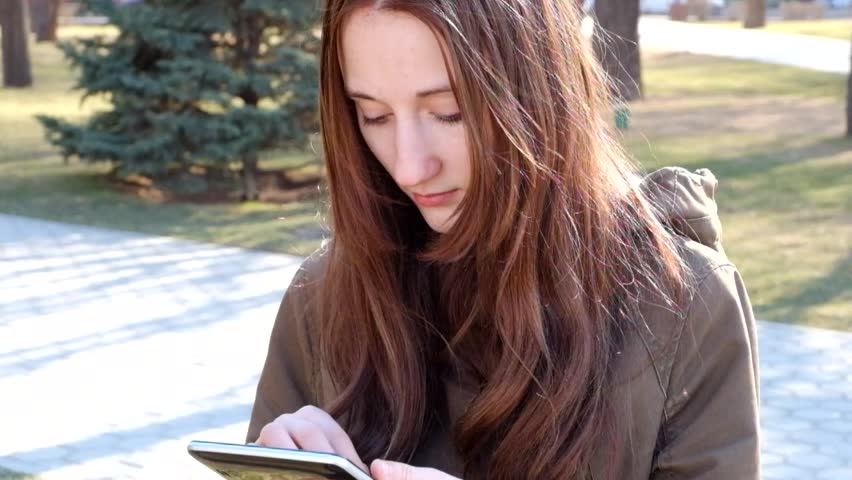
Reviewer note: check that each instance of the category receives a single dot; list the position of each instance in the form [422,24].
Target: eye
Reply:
[374,120]
[454,118]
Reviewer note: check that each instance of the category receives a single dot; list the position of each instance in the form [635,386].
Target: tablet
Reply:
[251,462]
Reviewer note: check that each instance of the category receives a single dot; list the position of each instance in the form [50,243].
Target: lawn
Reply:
[770,133]
[35,182]
[7,475]
[829,27]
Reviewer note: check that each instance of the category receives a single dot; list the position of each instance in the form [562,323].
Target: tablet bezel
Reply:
[237,455]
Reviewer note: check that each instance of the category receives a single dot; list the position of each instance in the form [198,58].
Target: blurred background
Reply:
[159,184]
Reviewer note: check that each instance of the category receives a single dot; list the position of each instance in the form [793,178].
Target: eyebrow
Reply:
[420,94]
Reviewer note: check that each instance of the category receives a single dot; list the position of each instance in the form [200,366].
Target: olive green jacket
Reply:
[686,382]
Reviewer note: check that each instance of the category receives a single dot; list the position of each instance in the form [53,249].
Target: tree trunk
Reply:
[616,42]
[755,14]
[252,28]
[250,191]
[16,55]
[45,16]
[849,101]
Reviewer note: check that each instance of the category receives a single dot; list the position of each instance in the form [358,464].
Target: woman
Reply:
[502,297]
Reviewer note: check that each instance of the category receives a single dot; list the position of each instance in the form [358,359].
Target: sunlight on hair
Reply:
[587,26]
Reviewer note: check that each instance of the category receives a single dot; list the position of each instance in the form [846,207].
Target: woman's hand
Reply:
[310,428]
[385,470]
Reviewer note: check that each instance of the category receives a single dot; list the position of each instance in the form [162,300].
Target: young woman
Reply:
[502,296]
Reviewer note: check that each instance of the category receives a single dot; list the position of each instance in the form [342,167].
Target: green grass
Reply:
[830,27]
[704,76]
[784,174]
[8,475]
[35,182]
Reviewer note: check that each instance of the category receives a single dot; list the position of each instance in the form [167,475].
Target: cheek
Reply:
[457,155]
[380,144]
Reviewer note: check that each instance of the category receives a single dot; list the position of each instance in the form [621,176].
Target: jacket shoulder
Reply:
[652,336]
[711,381]
[701,260]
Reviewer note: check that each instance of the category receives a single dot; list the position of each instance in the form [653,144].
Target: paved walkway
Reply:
[817,53]
[116,349]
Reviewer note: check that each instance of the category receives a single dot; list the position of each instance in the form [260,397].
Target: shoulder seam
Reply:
[664,431]
[685,315]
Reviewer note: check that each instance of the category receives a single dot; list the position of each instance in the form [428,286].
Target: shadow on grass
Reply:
[86,199]
[783,176]
[7,475]
[769,176]
[785,205]
[815,293]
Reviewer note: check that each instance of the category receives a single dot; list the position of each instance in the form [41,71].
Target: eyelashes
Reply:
[374,121]
[454,118]
[448,119]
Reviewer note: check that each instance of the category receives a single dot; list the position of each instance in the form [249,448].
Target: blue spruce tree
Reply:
[194,83]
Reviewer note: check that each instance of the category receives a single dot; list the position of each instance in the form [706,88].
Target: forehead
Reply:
[390,53]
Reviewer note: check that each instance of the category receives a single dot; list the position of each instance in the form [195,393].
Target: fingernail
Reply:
[380,467]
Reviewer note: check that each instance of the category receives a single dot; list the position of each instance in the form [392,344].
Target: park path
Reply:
[117,348]
[805,51]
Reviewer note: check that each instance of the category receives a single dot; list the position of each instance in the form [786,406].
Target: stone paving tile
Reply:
[115,344]
[806,408]
[117,349]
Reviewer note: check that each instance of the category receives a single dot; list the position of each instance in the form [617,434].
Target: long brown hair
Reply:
[532,287]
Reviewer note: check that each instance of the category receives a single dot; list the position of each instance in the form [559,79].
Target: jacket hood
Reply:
[686,202]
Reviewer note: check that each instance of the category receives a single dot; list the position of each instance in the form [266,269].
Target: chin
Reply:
[439,223]
[440,228]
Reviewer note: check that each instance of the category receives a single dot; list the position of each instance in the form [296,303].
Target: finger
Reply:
[334,433]
[307,434]
[275,435]
[387,470]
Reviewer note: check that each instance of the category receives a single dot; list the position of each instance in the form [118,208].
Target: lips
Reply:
[434,199]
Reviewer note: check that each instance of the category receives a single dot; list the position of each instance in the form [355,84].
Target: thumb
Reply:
[387,470]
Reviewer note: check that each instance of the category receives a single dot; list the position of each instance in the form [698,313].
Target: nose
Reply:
[415,160]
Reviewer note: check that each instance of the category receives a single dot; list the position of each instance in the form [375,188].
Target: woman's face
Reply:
[394,71]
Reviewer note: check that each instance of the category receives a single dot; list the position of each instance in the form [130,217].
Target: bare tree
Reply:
[45,16]
[755,14]
[616,41]
[16,55]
